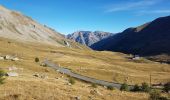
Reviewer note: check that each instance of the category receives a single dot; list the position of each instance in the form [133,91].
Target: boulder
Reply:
[1,58]
[77,98]
[36,75]
[15,59]
[12,74]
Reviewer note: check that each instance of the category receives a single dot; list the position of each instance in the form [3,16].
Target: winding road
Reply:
[81,77]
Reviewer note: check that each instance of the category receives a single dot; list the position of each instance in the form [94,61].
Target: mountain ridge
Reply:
[145,40]
[14,25]
[88,37]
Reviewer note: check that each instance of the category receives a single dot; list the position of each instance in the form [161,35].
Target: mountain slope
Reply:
[87,37]
[16,26]
[147,40]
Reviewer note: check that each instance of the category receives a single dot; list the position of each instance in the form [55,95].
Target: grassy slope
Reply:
[101,65]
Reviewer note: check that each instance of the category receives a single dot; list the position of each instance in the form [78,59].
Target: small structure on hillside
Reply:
[136,57]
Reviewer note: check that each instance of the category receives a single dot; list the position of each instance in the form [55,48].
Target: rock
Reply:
[12,74]
[95,92]
[12,68]
[36,75]
[15,59]
[77,98]
[44,76]
[57,78]
[105,87]
[8,57]
[1,58]
[43,64]
[69,84]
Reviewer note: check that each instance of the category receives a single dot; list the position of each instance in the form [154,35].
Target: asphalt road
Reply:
[81,77]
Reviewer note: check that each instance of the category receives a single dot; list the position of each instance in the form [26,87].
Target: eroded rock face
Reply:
[87,37]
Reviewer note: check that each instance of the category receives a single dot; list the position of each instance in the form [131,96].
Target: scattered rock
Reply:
[95,92]
[43,76]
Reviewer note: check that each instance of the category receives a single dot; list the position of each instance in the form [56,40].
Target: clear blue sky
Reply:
[67,16]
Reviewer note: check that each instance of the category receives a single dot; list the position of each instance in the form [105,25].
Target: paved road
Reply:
[81,77]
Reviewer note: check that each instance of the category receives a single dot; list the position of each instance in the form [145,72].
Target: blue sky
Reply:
[67,16]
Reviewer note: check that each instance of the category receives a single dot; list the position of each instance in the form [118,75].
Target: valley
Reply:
[39,63]
[108,66]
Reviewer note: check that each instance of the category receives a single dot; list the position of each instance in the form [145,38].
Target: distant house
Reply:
[136,57]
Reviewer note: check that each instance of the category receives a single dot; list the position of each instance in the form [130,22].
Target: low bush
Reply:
[145,87]
[155,95]
[72,81]
[124,87]
[167,87]
[110,87]
[94,85]
[2,74]
[136,88]
[37,59]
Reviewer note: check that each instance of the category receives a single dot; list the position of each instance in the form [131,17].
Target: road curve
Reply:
[81,77]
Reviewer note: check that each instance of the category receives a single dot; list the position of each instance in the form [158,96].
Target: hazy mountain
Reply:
[16,26]
[149,39]
[87,37]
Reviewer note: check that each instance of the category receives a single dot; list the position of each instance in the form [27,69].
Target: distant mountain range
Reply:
[16,26]
[150,39]
[87,37]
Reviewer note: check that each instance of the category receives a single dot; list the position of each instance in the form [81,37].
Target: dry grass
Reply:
[104,65]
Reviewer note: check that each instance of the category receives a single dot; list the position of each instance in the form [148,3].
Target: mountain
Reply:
[87,37]
[16,26]
[150,39]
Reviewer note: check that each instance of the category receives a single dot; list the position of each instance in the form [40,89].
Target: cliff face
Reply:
[87,37]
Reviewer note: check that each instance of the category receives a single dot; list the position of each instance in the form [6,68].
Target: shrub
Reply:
[37,59]
[124,87]
[167,87]
[155,95]
[72,81]
[145,87]
[2,74]
[110,87]
[163,98]
[94,85]
[136,88]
